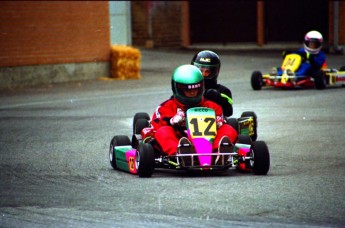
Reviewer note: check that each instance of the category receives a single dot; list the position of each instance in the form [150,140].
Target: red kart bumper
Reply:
[308,82]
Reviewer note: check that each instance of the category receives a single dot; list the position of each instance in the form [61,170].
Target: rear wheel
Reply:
[233,123]
[256,80]
[320,80]
[139,115]
[145,160]
[261,158]
[244,139]
[118,140]
[254,131]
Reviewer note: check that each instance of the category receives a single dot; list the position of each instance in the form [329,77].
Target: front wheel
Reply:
[145,160]
[139,115]
[138,127]
[261,158]
[320,80]
[118,140]
[140,124]
[256,80]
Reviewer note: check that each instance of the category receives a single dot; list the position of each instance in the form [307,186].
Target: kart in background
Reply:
[142,155]
[289,79]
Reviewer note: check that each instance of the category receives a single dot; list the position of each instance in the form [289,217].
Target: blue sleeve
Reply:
[318,60]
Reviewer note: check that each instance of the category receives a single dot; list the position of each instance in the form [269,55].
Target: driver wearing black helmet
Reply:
[209,64]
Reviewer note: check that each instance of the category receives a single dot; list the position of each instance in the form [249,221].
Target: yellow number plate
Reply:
[292,62]
[202,123]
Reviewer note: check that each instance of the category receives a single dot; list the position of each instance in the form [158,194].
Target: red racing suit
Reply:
[168,136]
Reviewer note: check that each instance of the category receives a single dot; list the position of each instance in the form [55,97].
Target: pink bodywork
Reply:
[202,146]
[131,158]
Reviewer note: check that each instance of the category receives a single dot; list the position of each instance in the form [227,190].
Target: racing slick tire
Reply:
[255,119]
[256,80]
[138,127]
[118,140]
[145,160]
[320,80]
[233,122]
[139,115]
[244,139]
[140,124]
[261,161]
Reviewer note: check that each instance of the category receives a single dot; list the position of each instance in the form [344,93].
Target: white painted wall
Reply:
[120,22]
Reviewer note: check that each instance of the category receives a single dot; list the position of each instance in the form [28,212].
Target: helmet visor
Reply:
[190,93]
[208,71]
[313,43]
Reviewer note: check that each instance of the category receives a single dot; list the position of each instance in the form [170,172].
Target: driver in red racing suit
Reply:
[168,120]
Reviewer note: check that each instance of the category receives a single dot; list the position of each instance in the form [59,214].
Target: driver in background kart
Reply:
[313,59]
[168,120]
[209,64]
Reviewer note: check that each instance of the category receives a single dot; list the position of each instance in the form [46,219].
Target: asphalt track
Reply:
[55,172]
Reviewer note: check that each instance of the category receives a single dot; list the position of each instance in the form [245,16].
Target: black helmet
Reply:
[209,60]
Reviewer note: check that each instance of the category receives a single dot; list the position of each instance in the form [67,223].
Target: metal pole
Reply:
[260,23]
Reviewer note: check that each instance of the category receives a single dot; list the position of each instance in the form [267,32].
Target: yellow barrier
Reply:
[125,62]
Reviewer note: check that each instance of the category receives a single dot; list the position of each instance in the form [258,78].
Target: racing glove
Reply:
[147,132]
[219,121]
[179,118]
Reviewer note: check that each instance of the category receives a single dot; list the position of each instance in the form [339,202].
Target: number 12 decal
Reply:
[205,127]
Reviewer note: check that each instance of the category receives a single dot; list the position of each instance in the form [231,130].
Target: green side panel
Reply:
[122,165]
[245,124]
[120,154]
[244,131]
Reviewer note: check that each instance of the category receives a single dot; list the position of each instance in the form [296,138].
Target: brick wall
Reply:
[162,18]
[53,32]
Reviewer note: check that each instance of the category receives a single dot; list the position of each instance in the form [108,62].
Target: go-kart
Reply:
[289,79]
[142,155]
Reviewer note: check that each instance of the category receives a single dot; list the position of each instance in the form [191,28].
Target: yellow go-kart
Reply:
[289,79]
